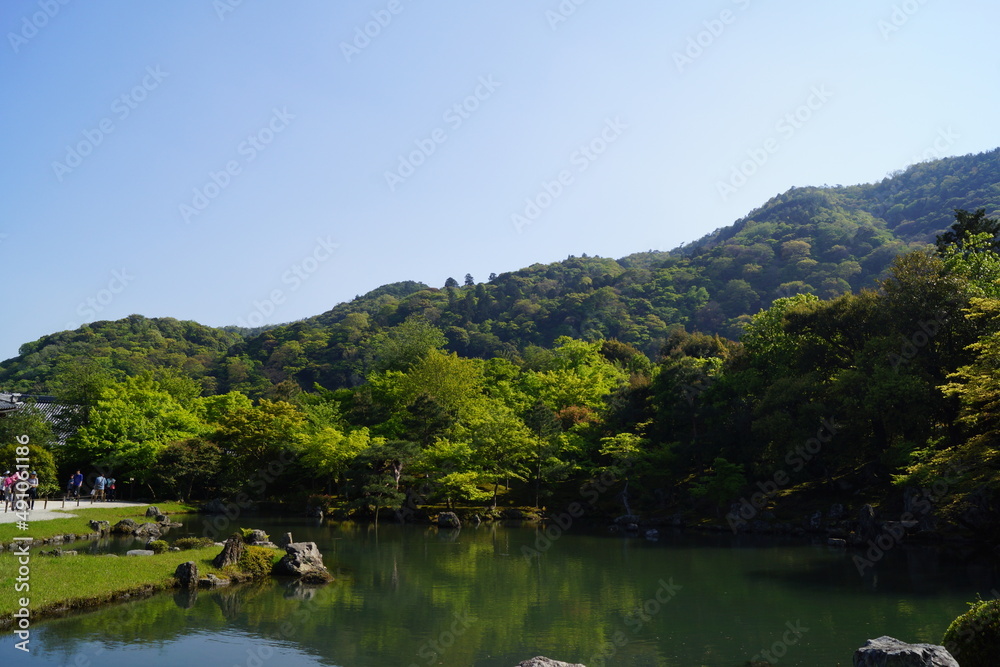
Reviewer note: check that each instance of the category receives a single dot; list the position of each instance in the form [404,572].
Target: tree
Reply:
[722,484]
[451,283]
[469,280]
[128,426]
[260,439]
[966,226]
[190,463]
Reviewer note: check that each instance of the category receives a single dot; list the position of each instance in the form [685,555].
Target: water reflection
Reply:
[485,596]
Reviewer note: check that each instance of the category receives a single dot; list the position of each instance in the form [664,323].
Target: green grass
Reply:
[80,524]
[85,580]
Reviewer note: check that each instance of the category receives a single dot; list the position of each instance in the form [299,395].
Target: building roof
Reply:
[51,411]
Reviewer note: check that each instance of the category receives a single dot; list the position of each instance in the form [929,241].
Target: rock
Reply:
[836,542]
[511,514]
[286,540]
[140,552]
[889,652]
[100,526]
[448,520]
[174,549]
[315,512]
[652,534]
[258,538]
[632,528]
[475,520]
[58,552]
[214,506]
[150,530]
[187,574]
[125,527]
[836,512]
[541,661]
[868,525]
[301,559]
[814,520]
[153,511]
[212,581]
[231,552]
[626,519]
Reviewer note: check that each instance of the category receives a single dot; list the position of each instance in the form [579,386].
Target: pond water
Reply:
[494,595]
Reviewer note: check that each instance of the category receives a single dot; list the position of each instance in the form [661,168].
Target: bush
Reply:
[193,542]
[257,561]
[158,546]
[974,637]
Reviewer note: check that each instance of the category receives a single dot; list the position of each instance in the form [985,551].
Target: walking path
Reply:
[56,511]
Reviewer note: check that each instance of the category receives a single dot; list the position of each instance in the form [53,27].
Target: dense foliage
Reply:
[822,344]
[974,637]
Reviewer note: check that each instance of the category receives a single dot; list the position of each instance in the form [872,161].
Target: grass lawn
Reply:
[80,524]
[80,581]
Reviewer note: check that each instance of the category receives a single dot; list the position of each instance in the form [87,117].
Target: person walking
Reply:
[32,489]
[75,484]
[109,491]
[99,484]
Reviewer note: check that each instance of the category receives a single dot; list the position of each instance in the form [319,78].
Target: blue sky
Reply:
[259,162]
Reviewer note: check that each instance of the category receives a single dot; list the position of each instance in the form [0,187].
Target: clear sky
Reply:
[258,161]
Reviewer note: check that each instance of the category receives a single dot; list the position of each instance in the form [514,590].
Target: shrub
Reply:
[158,546]
[974,637]
[257,561]
[193,542]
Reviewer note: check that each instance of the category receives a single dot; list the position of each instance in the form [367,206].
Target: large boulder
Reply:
[150,530]
[448,520]
[231,553]
[889,652]
[101,527]
[541,661]
[214,506]
[258,538]
[153,511]
[187,574]
[303,560]
[125,527]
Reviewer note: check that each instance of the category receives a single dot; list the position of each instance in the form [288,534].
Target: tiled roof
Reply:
[47,406]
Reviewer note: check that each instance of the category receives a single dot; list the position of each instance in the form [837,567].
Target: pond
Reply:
[494,595]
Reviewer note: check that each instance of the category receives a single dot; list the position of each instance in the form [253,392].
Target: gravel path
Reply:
[56,511]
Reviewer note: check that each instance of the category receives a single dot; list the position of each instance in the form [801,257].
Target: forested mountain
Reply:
[825,241]
[836,344]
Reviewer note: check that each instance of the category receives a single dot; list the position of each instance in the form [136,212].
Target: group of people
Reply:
[9,484]
[104,487]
